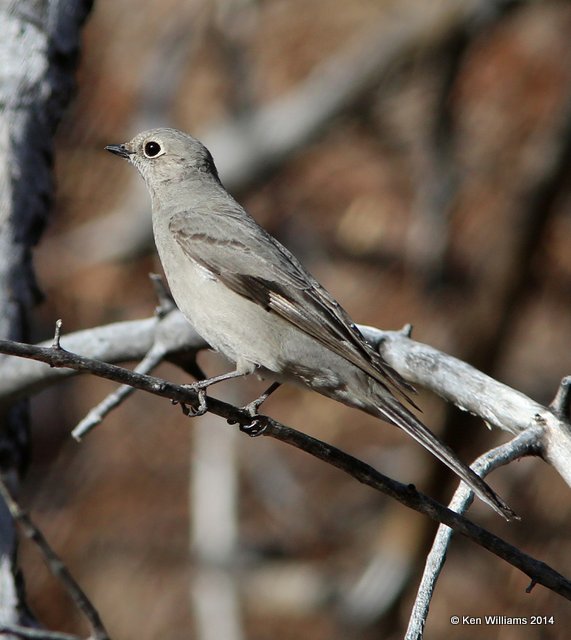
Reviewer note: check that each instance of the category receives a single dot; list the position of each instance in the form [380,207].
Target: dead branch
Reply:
[539,572]
[55,565]
[504,454]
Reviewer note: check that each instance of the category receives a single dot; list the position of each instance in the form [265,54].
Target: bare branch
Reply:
[520,446]
[39,47]
[57,335]
[452,379]
[475,392]
[456,381]
[410,497]
[56,566]
[153,358]
[29,633]
[156,354]
[561,403]
[538,571]
[166,302]
[117,342]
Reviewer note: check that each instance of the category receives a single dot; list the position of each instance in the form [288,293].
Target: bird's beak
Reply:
[119,150]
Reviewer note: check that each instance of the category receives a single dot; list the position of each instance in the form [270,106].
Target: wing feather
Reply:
[253,264]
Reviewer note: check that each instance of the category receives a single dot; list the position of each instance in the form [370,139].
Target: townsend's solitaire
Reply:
[253,301]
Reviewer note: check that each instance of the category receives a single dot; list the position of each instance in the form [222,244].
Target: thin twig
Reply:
[154,356]
[562,401]
[96,415]
[520,446]
[35,634]
[57,334]
[116,342]
[538,571]
[166,302]
[55,564]
[410,497]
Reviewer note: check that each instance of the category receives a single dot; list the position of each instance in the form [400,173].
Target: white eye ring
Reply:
[153,149]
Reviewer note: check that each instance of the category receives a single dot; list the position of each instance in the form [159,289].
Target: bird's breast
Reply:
[233,325]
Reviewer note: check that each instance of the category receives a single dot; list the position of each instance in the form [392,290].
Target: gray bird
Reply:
[255,303]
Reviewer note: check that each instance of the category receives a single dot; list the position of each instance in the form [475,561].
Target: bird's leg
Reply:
[252,407]
[204,384]
[201,385]
[198,411]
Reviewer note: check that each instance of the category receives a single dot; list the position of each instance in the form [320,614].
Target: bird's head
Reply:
[165,155]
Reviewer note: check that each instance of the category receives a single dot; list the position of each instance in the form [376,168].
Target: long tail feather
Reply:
[397,414]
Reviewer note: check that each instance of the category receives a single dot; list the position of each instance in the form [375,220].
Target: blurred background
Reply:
[415,155]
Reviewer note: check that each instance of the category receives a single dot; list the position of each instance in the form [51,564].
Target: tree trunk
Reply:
[38,49]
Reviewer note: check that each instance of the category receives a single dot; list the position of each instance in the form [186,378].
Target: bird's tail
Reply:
[393,411]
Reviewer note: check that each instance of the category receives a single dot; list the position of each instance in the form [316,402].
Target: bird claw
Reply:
[258,424]
[255,428]
[200,410]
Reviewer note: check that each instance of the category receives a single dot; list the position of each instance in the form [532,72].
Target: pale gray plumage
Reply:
[253,301]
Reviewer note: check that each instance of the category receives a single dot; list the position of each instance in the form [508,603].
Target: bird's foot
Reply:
[255,428]
[259,423]
[252,407]
[196,411]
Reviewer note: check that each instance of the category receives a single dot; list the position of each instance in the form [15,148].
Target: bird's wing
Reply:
[250,262]
[242,255]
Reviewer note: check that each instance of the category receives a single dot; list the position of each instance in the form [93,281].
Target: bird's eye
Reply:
[153,149]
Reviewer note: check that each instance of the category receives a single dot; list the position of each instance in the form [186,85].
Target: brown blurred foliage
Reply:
[428,202]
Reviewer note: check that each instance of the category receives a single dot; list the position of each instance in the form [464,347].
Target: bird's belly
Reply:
[233,325]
